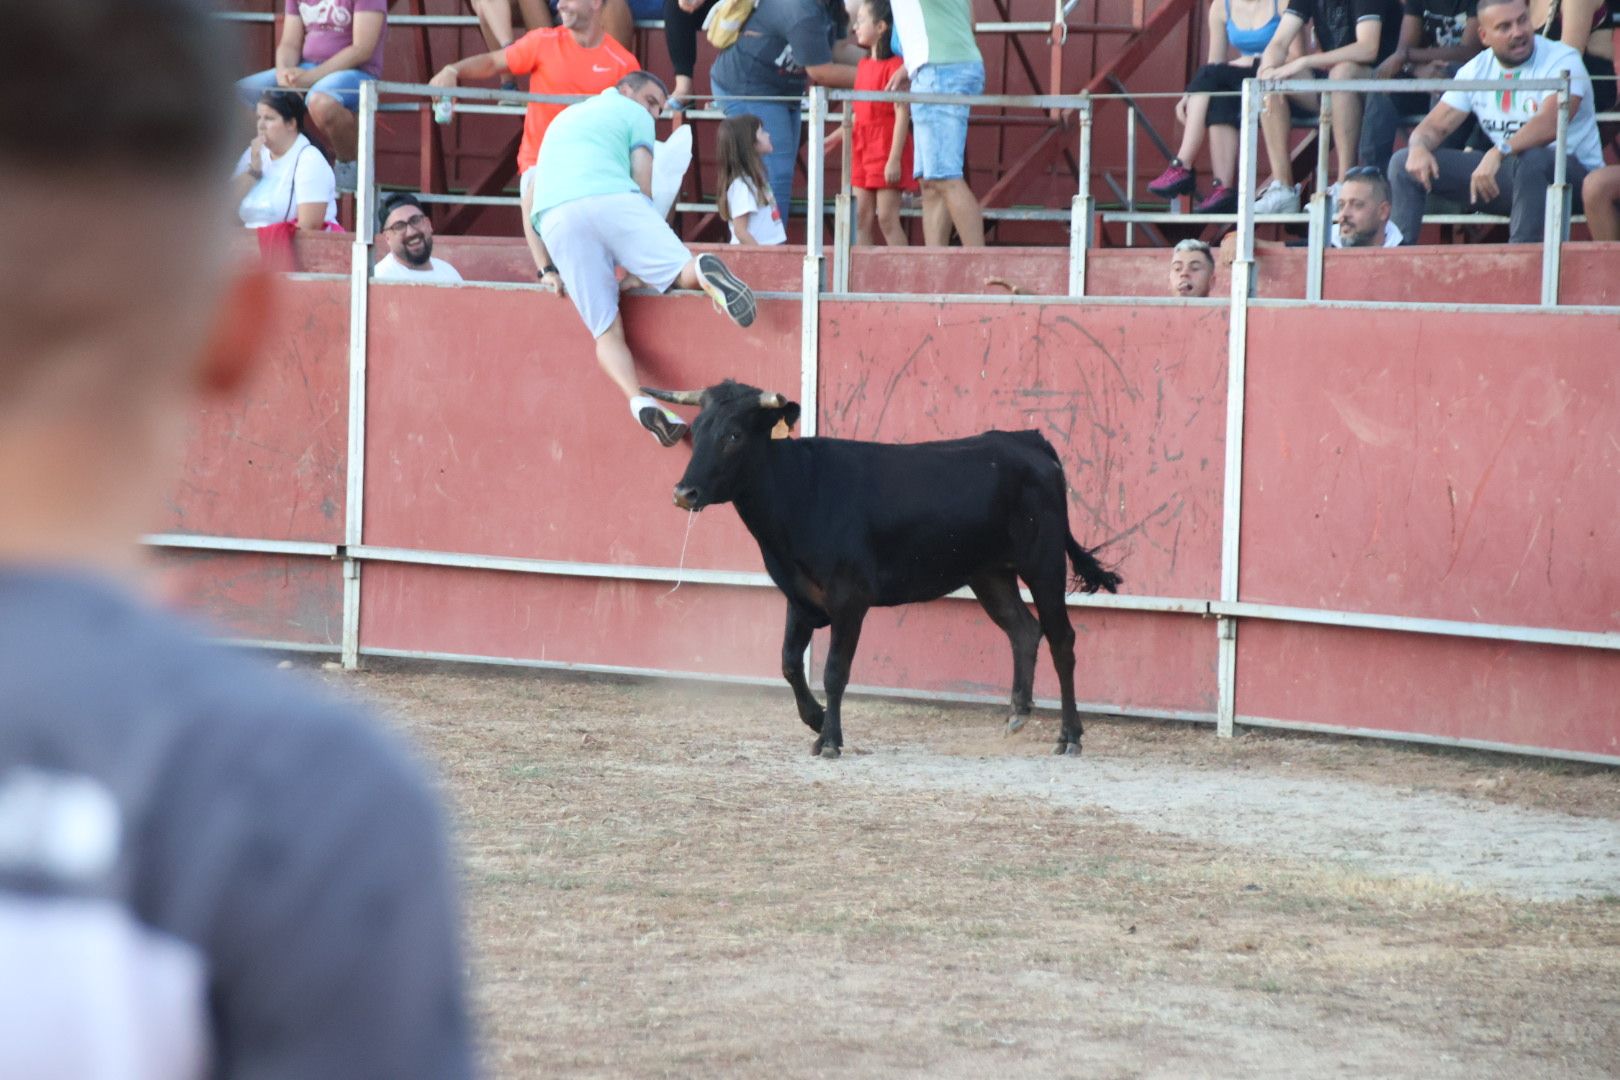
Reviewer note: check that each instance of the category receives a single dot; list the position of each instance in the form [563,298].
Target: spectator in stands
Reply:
[1587,26]
[577,57]
[1363,209]
[1437,37]
[497,20]
[942,57]
[1246,27]
[281,177]
[593,208]
[1354,37]
[682,20]
[1512,176]
[880,158]
[1192,269]
[208,868]
[746,203]
[785,45]
[408,232]
[1601,195]
[328,49]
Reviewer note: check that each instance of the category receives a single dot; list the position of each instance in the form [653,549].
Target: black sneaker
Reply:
[666,427]
[725,289]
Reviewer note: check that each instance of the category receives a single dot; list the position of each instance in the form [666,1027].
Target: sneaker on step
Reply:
[1176,179]
[1277,198]
[666,427]
[347,174]
[1220,200]
[725,289]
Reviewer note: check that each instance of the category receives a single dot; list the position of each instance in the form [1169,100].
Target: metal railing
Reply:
[1083,210]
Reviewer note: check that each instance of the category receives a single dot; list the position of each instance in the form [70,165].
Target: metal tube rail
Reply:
[1608,641]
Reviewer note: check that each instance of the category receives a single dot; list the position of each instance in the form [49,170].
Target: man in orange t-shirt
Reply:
[575,57]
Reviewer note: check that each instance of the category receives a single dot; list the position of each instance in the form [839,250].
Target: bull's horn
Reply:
[676,397]
[771,401]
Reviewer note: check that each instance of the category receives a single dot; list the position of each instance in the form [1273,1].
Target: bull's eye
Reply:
[733,438]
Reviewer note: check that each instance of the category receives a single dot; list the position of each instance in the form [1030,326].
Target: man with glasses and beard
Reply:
[408,232]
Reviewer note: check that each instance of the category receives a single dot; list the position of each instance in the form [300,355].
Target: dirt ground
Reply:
[662,882]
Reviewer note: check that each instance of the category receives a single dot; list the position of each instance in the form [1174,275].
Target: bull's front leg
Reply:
[794,641]
[846,634]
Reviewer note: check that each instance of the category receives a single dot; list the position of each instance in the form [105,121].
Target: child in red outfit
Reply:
[880,139]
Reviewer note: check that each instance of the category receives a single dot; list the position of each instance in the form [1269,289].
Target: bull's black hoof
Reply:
[828,753]
[1016,722]
[815,720]
[1067,749]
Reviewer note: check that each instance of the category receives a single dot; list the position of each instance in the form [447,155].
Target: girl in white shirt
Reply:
[746,202]
[281,176]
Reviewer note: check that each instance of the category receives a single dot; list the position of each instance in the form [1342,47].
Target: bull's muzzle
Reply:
[686,497]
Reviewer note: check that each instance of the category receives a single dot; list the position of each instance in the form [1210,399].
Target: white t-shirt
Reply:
[1392,236]
[1502,112]
[764,223]
[437,272]
[301,175]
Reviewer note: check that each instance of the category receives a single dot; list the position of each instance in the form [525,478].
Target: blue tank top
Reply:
[1251,42]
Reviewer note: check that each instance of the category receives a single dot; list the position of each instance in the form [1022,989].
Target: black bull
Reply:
[847,526]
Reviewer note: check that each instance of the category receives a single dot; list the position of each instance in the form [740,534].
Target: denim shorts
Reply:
[344,86]
[941,130]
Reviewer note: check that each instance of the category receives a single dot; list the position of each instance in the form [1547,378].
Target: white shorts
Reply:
[526,181]
[589,237]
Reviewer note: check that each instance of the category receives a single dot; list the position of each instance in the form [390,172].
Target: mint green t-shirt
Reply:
[936,32]
[587,150]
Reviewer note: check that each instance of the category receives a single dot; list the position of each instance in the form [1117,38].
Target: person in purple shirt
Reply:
[327,49]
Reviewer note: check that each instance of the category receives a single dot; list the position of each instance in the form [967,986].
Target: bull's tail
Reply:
[1089,574]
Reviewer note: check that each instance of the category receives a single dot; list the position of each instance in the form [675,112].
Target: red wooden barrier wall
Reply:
[1428,464]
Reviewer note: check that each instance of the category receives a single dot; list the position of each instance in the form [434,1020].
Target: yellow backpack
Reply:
[726,20]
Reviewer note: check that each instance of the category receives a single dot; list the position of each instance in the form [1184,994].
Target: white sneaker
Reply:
[1277,198]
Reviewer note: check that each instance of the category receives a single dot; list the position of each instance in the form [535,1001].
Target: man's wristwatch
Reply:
[549,268]
[1506,149]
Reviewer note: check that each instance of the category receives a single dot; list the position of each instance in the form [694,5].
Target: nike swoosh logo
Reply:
[603,69]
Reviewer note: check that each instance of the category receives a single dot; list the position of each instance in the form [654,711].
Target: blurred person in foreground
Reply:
[206,869]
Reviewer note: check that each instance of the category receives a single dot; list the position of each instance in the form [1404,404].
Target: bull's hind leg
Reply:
[1047,587]
[794,641]
[997,592]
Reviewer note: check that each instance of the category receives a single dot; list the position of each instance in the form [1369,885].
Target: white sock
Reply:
[642,401]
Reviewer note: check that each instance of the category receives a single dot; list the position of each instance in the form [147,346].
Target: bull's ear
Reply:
[783,420]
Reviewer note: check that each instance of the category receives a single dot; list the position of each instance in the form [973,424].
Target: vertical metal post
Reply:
[810,309]
[1130,172]
[815,189]
[1324,136]
[810,314]
[1556,223]
[1317,231]
[359,282]
[843,208]
[1236,361]
[1082,211]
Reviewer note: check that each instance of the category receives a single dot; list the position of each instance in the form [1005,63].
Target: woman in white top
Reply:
[281,176]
